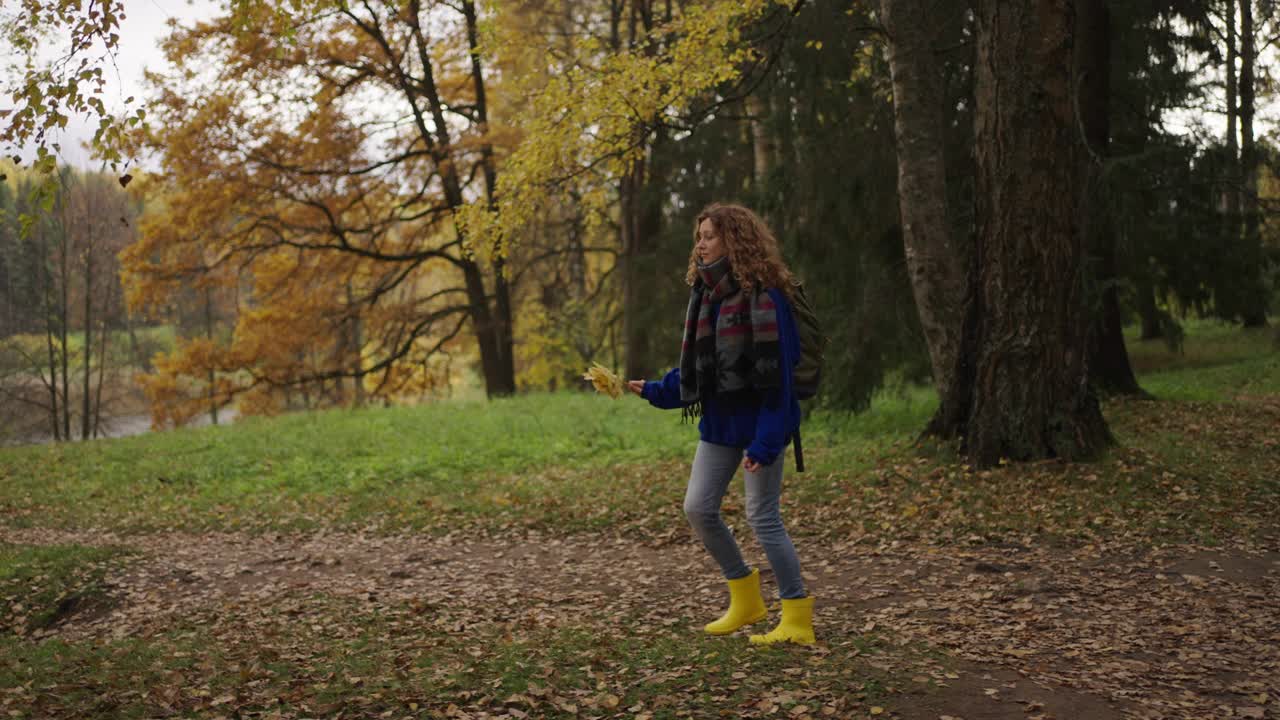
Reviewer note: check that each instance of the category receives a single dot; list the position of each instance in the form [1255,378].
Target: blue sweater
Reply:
[763,431]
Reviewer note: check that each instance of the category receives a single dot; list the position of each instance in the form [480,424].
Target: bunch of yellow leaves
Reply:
[605,380]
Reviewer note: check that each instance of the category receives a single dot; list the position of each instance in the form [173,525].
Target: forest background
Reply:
[398,202]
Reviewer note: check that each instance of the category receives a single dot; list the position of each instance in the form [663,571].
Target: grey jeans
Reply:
[713,468]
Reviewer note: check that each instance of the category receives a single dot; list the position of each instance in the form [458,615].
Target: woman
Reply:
[740,346]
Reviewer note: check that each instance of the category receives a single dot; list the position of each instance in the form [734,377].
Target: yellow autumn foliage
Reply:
[605,381]
[334,237]
[581,128]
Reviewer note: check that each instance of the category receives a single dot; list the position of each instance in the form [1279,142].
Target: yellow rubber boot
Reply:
[796,625]
[746,605]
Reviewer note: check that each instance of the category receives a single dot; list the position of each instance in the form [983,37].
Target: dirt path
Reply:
[1090,633]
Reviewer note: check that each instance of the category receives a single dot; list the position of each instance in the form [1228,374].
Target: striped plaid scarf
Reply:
[736,354]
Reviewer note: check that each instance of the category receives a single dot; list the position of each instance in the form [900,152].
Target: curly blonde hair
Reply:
[753,251]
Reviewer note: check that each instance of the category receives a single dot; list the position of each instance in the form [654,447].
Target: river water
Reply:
[118,427]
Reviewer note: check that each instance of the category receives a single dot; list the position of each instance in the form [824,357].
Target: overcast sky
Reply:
[146,23]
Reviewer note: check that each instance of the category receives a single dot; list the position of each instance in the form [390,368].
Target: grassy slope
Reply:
[578,461]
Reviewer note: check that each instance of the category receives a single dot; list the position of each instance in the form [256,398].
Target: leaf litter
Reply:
[1003,630]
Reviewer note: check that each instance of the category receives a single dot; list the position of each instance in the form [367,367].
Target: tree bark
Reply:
[48,307]
[353,349]
[936,262]
[1022,370]
[1254,312]
[87,232]
[1147,310]
[634,268]
[499,368]
[490,316]
[641,192]
[102,360]
[86,401]
[1109,367]
[504,329]
[208,334]
[499,379]
[762,145]
[64,314]
[1231,201]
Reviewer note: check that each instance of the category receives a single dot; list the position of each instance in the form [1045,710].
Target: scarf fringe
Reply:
[733,402]
[691,412]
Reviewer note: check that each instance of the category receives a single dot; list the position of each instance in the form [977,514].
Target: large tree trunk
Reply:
[1022,370]
[504,328]
[936,262]
[1231,204]
[1109,368]
[492,335]
[1254,312]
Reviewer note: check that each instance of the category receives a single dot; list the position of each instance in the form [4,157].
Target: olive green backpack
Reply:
[807,375]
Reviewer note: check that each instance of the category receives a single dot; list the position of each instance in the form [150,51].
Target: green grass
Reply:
[125,679]
[580,462]
[1217,362]
[339,466]
[41,585]
[1257,375]
[570,460]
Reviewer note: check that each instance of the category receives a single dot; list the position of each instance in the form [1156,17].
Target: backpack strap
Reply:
[799,451]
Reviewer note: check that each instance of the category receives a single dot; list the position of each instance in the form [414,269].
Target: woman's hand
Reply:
[750,465]
[636,386]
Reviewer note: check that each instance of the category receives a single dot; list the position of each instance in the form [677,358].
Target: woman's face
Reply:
[709,247]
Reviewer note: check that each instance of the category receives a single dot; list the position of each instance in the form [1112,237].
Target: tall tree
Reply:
[345,150]
[1254,312]
[1109,367]
[1021,390]
[937,260]
[1232,204]
[641,191]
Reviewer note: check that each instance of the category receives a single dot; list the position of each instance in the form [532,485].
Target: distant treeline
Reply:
[67,343]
